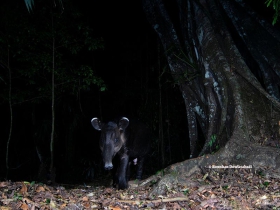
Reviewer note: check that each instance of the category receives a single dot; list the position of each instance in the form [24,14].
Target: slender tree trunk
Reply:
[168,129]
[52,169]
[160,125]
[11,115]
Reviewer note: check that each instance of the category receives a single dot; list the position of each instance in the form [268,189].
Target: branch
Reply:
[163,200]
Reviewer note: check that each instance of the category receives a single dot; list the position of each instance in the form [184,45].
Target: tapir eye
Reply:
[116,140]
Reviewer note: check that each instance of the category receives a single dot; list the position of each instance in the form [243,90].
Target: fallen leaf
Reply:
[85,198]
[23,189]
[160,196]
[90,194]
[114,208]
[176,206]
[86,205]
[5,208]
[263,197]
[122,196]
[24,206]
[7,201]
[26,200]
[4,196]
[52,204]
[63,206]
[108,190]
[40,189]
[3,184]
[94,206]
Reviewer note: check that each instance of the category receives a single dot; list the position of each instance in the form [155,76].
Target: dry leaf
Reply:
[86,205]
[94,206]
[7,201]
[85,198]
[53,204]
[24,206]
[4,196]
[3,184]
[122,196]
[176,206]
[40,189]
[114,208]
[23,190]
[90,194]
[5,208]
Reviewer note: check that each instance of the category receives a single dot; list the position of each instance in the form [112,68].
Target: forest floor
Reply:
[214,189]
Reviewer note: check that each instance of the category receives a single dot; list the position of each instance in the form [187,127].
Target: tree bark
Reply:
[226,64]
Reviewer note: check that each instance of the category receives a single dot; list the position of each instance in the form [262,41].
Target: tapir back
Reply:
[137,139]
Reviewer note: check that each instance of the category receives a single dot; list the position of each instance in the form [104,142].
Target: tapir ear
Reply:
[123,123]
[95,122]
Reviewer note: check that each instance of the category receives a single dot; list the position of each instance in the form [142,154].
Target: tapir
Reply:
[129,140]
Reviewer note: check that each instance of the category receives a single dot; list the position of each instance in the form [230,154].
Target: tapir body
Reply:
[130,140]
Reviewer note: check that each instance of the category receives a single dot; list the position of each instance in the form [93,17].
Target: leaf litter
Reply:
[226,189]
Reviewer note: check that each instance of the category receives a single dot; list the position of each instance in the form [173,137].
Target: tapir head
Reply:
[112,138]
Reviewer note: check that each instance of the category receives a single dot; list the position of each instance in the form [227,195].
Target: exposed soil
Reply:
[211,189]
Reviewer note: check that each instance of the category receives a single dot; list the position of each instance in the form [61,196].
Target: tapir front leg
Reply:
[139,172]
[122,171]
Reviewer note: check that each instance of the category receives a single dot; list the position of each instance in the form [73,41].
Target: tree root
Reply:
[163,200]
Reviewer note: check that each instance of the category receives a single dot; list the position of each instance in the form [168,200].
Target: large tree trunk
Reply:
[225,59]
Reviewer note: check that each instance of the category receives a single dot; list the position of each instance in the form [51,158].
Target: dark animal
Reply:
[130,140]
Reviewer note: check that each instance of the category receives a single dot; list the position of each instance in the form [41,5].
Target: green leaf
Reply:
[102,89]
[268,2]
[275,4]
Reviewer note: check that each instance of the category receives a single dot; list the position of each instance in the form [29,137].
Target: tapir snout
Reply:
[108,166]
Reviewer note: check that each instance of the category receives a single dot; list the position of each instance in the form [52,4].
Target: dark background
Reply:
[130,65]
